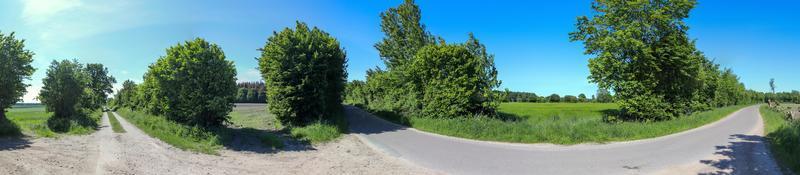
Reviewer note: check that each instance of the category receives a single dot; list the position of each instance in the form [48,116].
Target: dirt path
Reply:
[134,152]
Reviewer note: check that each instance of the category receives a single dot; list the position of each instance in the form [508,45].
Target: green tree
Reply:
[641,50]
[603,96]
[404,35]
[126,96]
[304,70]
[101,85]
[252,96]
[194,81]
[15,67]
[65,85]
[554,98]
[582,98]
[570,99]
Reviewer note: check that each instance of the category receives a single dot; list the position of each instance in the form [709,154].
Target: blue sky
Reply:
[754,38]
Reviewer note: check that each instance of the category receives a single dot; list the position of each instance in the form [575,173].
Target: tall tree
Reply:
[65,85]
[404,34]
[15,67]
[772,84]
[100,83]
[642,51]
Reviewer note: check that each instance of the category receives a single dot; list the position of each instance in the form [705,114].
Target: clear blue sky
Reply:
[755,38]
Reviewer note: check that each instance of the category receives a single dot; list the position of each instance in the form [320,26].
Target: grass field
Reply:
[784,138]
[33,120]
[115,126]
[560,123]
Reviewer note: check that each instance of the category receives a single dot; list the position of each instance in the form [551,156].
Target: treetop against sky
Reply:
[529,39]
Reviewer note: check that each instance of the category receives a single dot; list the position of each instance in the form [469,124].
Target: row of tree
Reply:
[69,88]
[512,96]
[642,52]
[251,92]
[194,84]
[424,75]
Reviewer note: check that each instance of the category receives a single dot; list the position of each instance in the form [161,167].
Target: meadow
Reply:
[560,123]
[33,120]
[783,136]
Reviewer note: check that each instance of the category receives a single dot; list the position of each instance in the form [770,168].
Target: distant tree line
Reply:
[603,96]
[251,92]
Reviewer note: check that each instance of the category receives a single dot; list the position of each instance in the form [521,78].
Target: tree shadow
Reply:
[63,124]
[14,143]
[363,122]
[8,128]
[260,141]
[508,117]
[740,157]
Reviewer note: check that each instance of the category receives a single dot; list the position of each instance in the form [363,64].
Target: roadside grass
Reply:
[35,121]
[258,118]
[558,123]
[784,138]
[178,135]
[115,126]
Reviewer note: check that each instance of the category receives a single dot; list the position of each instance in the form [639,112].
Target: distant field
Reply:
[561,123]
[31,119]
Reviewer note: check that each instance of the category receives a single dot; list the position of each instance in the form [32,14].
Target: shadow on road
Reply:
[740,157]
[363,122]
[13,143]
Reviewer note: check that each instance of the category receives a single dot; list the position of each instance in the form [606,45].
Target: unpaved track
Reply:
[134,152]
[732,145]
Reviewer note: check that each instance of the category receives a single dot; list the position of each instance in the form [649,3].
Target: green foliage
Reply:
[15,67]
[570,99]
[582,98]
[192,84]
[304,70]
[643,53]
[512,96]
[425,76]
[65,85]
[784,138]
[447,78]
[126,97]
[251,92]
[100,84]
[603,96]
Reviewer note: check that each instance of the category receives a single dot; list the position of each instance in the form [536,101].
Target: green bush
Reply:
[304,70]
[15,67]
[192,84]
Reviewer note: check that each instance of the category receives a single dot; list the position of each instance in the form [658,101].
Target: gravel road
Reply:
[134,152]
[733,145]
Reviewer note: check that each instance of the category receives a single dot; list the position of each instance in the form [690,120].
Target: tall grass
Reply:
[178,135]
[115,126]
[561,123]
[784,138]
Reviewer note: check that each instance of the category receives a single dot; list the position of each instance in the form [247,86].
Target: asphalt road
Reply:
[732,145]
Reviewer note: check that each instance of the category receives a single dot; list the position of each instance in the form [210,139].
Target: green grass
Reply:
[558,123]
[784,138]
[33,120]
[115,126]
[318,132]
[257,117]
[255,121]
[175,134]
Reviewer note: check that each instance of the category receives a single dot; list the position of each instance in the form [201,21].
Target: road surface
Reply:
[732,145]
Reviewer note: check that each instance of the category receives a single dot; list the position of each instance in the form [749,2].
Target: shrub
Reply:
[15,67]
[304,70]
[192,84]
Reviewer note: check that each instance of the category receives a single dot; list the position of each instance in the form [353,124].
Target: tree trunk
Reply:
[2,114]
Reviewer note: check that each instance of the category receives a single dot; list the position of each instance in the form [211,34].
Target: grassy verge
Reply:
[784,138]
[35,121]
[558,123]
[317,132]
[115,126]
[175,134]
[256,117]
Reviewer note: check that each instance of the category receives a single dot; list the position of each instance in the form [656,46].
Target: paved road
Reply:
[732,145]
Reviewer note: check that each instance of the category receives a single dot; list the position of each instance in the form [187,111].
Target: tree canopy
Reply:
[15,68]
